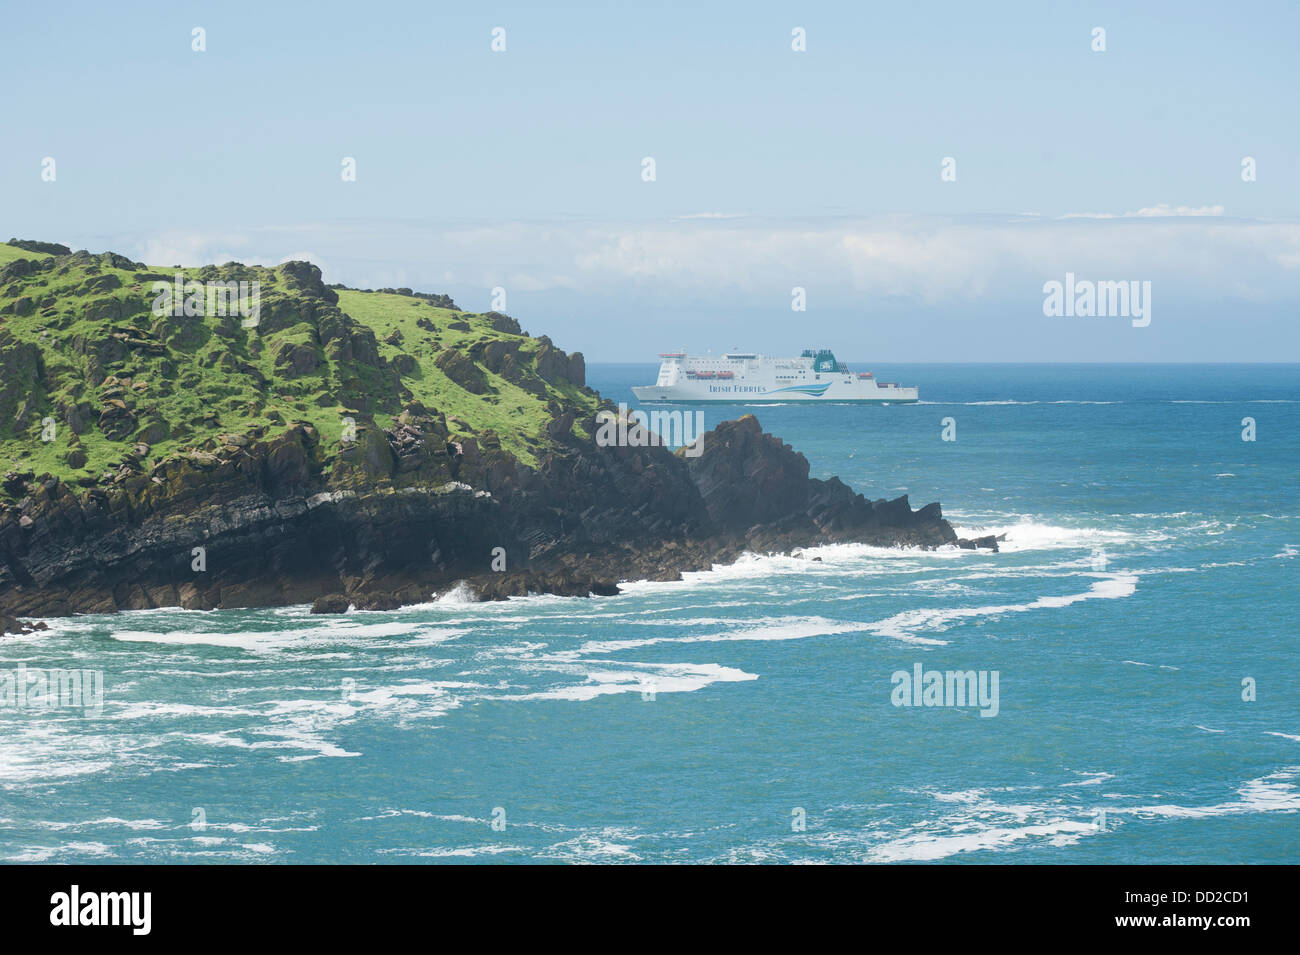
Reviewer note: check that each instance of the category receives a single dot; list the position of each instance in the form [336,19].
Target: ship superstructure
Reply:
[746,377]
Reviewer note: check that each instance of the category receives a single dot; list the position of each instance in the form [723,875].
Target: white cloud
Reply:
[736,260]
[1161,210]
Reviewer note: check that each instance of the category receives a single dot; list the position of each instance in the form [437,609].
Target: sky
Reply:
[775,169]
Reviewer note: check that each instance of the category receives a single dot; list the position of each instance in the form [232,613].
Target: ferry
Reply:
[742,377]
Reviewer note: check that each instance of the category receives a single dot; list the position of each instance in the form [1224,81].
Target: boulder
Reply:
[503,323]
[296,360]
[461,369]
[331,603]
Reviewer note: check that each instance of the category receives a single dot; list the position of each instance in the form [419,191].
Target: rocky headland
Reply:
[345,447]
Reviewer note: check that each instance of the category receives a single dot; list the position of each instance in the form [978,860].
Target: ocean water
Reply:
[747,714]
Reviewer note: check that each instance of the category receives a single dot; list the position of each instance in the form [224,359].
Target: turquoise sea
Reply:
[747,714]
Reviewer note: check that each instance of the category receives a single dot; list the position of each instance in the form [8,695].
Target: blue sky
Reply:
[774,168]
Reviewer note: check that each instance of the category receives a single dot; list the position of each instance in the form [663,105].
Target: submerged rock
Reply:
[15,626]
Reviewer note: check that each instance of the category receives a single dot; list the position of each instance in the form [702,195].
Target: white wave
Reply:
[903,626]
[927,847]
[43,751]
[1275,792]
[309,745]
[423,814]
[960,796]
[983,824]
[150,709]
[667,678]
[834,558]
[1161,666]
[593,847]
[1208,730]
[461,593]
[1283,735]
[1028,535]
[136,824]
[72,850]
[1093,779]
[466,852]
[343,628]
[765,628]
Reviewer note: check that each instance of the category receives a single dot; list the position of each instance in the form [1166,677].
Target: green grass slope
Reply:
[91,376]
[9,252]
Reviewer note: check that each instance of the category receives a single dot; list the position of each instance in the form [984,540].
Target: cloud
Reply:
[1161,210]
[709,215]
[842,261]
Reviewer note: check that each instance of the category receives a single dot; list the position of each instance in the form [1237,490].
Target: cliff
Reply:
[346,447]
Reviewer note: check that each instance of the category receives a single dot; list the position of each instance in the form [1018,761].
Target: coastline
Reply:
[380,547]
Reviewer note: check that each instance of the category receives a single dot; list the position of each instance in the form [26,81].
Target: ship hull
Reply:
[693,392]
[747,378]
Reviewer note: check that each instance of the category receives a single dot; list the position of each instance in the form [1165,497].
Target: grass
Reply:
[9,253]
[91,321]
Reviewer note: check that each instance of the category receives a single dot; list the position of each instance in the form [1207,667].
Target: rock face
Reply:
[462,370]
[756,487]
[262,524]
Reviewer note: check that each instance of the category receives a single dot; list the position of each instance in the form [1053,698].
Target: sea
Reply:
[1119,684]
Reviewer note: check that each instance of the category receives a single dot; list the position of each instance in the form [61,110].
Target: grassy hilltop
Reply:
[81,347]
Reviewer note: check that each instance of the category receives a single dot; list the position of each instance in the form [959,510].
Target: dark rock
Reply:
[116,421]
[296,360]
[15,626]
[552,364]
[461,369]
[577,371]
[502,323]
[305,277]
[377,601]
[154,432]
[31,245]
[331,603]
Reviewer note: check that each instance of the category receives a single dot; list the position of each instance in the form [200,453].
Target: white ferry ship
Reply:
[813,376]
